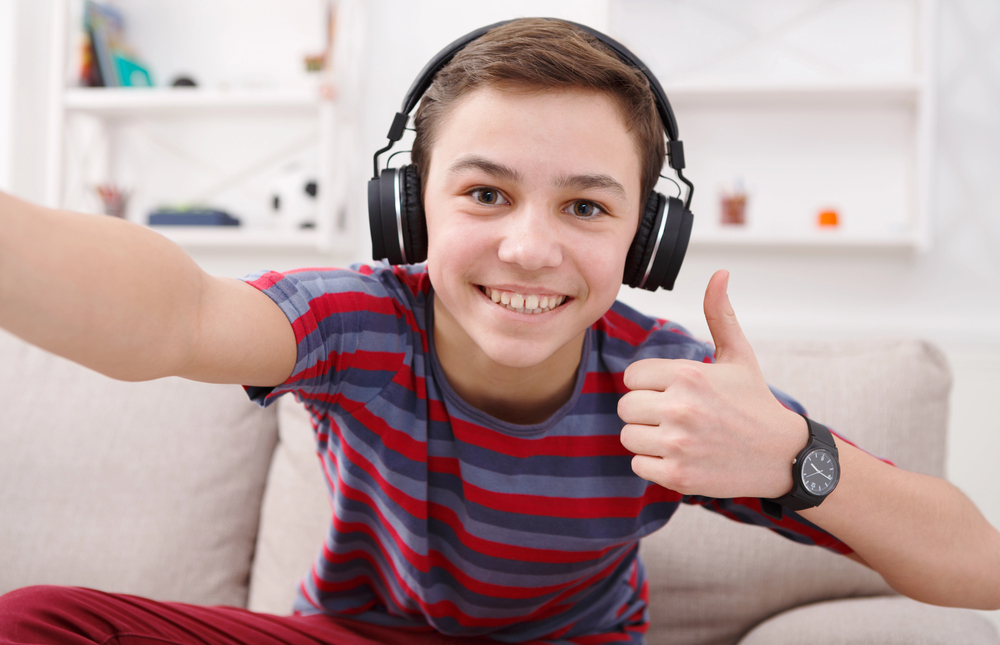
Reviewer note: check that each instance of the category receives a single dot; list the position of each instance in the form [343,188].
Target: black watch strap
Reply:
[798,498]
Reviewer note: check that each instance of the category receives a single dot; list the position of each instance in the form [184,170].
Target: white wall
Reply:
[949,293]
[29,99]
[6,89]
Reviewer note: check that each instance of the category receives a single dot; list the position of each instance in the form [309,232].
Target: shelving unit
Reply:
[810,107]
[220,146]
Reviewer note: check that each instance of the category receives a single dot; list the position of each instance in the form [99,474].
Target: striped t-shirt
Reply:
[446,517]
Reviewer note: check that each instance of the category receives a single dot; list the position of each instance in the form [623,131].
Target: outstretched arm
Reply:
[125,301]
[716,430]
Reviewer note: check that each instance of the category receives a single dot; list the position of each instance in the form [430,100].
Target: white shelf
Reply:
[819,238]
[163,102]
[906,90]
[237,237]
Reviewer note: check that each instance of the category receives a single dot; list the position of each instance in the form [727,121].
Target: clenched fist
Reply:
[711,429]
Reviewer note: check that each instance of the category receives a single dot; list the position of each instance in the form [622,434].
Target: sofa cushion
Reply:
[295,515]
[711,579]
[146,488]
[878,621]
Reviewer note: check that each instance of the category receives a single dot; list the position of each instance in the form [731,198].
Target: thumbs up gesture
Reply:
[711,429]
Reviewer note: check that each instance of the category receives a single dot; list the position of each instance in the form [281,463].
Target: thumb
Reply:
[730,343]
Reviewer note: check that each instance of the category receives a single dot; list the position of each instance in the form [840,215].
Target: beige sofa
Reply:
[185,491]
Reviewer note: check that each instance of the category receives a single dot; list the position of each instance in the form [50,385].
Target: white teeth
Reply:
[530,304]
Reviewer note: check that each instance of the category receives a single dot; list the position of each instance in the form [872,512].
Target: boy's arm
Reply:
[125,301]
[716,430]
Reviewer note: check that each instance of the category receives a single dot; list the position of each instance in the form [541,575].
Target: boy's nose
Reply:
[531,240]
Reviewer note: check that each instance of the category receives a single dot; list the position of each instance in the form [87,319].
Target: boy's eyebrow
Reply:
[584,182]
[475,162]
[578,182]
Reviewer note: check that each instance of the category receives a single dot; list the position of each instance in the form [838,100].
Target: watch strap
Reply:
[798,499]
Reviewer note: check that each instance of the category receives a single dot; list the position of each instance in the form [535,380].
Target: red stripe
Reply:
[328,304]
[267,280]
[599,639]
[314,270]
[820,538]
[511,551]
[564,507]
[436,411]
[360,360]
[604,383]
[617,326]
[393,439]
[553,446]
[419,283]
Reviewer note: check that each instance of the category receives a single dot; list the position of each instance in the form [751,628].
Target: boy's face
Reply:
[532,197]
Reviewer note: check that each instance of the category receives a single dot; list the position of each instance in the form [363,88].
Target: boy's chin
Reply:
[526,355]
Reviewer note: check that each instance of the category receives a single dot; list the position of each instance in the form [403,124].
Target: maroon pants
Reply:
[74,616]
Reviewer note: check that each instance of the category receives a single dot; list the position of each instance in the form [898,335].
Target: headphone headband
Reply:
[426,75]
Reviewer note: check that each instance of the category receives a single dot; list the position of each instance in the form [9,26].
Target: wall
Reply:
[948,293]
[7,18]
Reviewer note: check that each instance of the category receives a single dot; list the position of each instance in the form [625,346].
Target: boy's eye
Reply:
[488,196]
[585,209]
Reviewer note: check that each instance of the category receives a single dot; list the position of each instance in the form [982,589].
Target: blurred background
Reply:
[844,153]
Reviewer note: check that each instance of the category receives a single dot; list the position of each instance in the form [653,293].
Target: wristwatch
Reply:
[815,473]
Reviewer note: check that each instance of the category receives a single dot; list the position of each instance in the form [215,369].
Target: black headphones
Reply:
[396,214]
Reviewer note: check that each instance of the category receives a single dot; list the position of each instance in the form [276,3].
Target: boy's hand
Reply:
[711,429]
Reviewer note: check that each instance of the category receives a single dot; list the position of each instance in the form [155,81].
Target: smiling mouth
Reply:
[523,304]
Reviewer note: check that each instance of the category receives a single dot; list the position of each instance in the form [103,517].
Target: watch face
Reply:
[820,472]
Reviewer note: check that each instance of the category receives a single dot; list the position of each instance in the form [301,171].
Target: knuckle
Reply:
[683,480]
[690,373]
[682,413]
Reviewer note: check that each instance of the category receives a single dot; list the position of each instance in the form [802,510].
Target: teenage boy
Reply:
[478,416]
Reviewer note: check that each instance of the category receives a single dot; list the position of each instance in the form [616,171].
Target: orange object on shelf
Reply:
[828,218]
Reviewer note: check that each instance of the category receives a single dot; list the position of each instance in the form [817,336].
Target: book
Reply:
[192,217]
[115,63]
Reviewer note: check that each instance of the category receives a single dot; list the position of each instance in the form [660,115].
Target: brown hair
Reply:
[542,53]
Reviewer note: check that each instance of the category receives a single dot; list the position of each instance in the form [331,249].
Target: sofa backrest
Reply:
[145,488]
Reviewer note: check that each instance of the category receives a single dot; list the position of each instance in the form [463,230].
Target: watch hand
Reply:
[818,472]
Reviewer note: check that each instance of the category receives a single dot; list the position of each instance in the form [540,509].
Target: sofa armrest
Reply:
[885,620]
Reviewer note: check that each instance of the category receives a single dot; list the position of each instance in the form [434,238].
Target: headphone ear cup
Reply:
[379,251]
[396,217]
[665,231]
[413,220]
[641,250]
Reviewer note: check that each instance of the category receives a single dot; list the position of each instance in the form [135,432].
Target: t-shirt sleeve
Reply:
[748,510]
[349,330]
